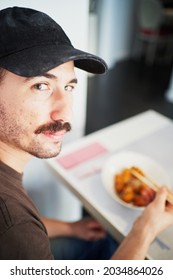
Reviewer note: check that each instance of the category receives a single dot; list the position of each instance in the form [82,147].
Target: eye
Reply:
[41,86]
[69,88]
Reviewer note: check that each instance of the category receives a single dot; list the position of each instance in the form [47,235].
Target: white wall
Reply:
[51,197]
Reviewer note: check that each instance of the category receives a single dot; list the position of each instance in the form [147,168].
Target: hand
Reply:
[88,229]
[157,216]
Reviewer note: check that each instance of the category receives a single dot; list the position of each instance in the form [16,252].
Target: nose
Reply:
[62,107]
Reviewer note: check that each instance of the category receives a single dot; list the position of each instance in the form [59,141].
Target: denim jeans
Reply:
[68,248]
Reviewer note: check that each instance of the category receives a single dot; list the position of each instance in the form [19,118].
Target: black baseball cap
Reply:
[32,43]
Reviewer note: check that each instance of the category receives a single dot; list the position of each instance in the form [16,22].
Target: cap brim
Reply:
[40,59]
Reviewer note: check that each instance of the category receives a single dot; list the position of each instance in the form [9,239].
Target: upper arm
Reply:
[25,241]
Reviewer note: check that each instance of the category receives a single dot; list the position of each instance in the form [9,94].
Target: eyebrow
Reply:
[49,76]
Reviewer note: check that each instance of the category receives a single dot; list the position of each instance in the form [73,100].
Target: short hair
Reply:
[2,74]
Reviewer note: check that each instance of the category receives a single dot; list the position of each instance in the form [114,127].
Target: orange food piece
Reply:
[140,200]
[119,183]
[127,195]
[131,190]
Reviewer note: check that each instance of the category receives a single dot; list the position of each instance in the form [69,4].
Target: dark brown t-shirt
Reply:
[22,234]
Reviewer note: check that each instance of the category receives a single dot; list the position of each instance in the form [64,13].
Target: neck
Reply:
[14,158]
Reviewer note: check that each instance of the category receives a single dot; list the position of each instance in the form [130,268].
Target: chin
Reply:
[46,151]
[45,154]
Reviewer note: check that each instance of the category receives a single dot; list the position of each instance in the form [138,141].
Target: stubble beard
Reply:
[44,153]
[12,134]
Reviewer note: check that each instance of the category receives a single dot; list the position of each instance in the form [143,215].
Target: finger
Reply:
[169,206]
[97,235]
[95,224]
[160,198]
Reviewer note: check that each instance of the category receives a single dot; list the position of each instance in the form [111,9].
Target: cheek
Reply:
[30,111]
[35,116]
[10,122]
[23,117]
[7,112]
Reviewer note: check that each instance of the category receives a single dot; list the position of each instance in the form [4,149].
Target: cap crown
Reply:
[23,28]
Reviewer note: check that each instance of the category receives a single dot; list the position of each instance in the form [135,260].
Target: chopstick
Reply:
[149,182]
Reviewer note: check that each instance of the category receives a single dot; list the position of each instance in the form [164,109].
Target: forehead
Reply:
[65,71]
[67,67]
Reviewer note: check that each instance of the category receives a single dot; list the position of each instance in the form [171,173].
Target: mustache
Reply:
[54,127]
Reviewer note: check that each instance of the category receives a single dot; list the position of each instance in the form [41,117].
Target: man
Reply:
[37,79]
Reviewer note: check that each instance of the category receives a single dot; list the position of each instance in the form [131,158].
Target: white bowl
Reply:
[116,163]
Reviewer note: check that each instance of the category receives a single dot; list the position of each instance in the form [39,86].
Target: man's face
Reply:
[35,112]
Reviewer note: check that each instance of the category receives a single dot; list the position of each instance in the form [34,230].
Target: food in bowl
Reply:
[132,190]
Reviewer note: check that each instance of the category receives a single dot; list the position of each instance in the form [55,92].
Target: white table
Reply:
[149,133]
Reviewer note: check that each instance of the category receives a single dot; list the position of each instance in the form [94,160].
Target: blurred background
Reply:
[135,37]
